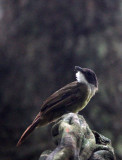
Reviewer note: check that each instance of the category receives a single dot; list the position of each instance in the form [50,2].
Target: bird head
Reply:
[85,75]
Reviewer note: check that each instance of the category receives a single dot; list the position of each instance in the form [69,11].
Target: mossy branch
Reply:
[76,141]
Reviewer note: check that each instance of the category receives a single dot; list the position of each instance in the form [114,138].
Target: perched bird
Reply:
[71,98]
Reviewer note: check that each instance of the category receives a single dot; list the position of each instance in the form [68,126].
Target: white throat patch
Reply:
[80,77]
[91,88]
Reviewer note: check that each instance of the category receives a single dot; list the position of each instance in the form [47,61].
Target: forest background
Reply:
[40,43]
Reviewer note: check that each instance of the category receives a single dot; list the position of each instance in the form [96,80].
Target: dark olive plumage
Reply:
[71,98]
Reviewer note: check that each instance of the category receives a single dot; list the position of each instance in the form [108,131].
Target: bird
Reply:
[71,98]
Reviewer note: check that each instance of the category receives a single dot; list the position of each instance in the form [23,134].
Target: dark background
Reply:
[40,43]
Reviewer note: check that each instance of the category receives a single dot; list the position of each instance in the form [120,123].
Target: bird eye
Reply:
[88,73]
[90,76]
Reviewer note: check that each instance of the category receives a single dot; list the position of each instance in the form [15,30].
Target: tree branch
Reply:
[76,141]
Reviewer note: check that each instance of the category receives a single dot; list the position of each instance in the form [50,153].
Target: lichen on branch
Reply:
[76,141]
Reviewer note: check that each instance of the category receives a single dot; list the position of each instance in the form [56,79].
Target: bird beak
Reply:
[77,68]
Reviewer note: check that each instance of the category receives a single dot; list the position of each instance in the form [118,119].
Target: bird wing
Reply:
[67,95]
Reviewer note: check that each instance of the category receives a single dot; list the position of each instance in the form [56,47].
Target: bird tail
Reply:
[28,131]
